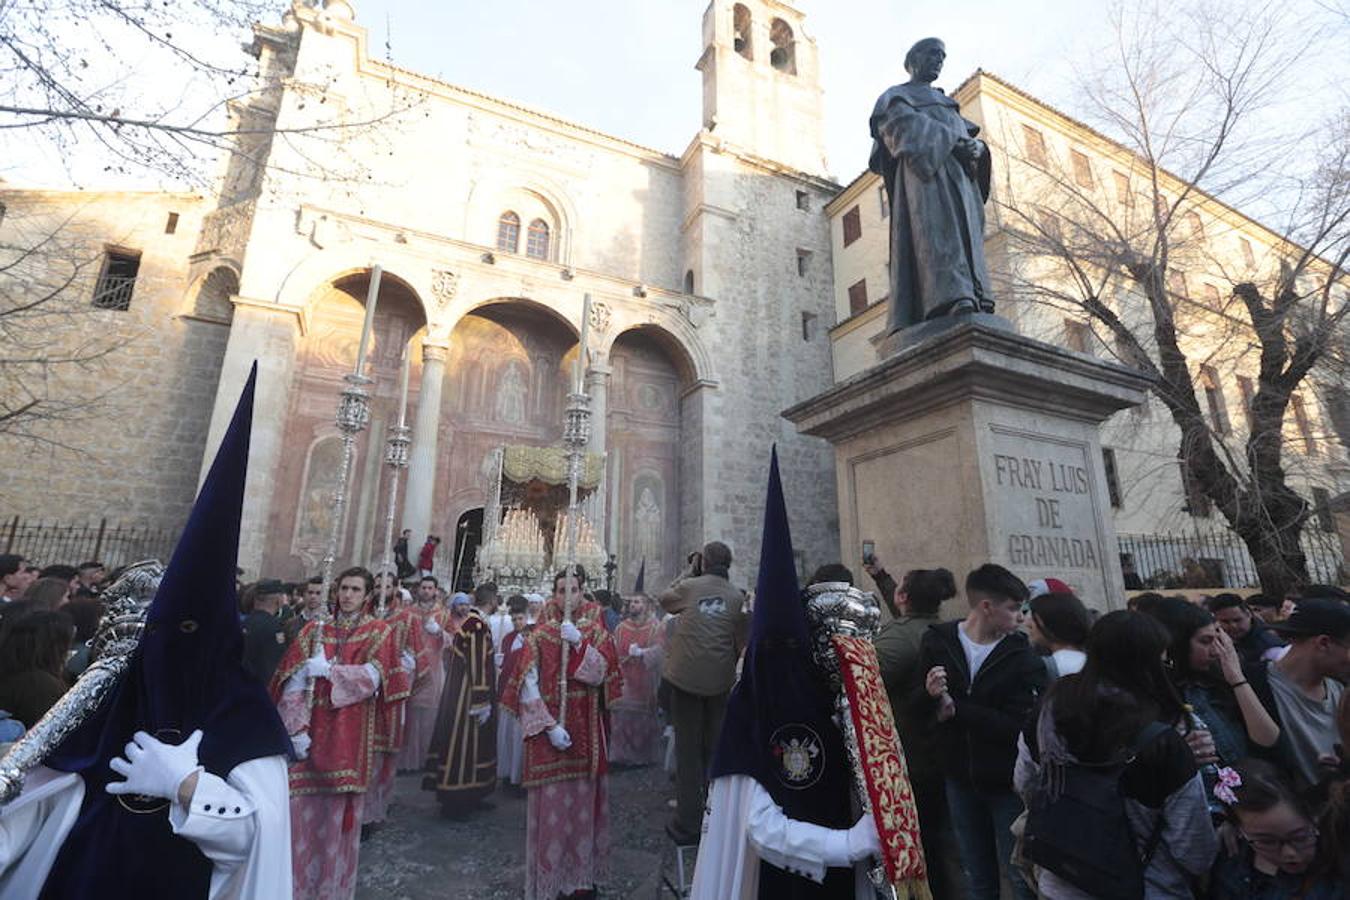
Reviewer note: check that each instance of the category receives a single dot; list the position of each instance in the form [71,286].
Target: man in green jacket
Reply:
[915,602]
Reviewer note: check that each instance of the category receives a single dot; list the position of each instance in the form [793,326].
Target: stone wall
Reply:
[131,449]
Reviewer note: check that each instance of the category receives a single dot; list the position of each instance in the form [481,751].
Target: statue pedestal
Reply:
[978,445]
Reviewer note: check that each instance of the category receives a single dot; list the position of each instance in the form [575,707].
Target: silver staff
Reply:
[396,457]
[576,438]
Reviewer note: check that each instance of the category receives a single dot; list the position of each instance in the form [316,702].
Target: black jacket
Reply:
[978,746]
[265,640]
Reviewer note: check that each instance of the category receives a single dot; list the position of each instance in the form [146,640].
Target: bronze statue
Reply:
[937,179]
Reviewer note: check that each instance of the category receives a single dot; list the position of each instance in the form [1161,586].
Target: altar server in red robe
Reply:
[420,714]
[567,811]
[405,628]
[510,740]
[639,640]
[344,661]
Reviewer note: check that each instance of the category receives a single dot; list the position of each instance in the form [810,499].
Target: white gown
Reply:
[250,850]
[744,826]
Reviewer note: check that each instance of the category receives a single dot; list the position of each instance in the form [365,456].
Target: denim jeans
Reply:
[981,820]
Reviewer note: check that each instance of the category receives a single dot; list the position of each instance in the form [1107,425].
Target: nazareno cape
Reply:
[779,726]
[184,675]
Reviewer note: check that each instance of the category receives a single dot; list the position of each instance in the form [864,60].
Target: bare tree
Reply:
[1195,96]
[159,91]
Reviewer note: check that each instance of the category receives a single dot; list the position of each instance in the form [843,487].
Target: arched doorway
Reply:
[308,478]
[506,381]
[468,538]
[647,420]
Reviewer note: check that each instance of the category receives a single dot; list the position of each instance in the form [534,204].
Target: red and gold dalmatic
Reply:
[567,816]
[461,762]
[405,628]
[637,731]
[328,786]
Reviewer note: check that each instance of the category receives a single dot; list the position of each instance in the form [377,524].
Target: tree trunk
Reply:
[1281,564]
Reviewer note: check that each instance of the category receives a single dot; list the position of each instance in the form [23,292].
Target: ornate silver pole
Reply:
[396,457]
[576,437]
[353,414]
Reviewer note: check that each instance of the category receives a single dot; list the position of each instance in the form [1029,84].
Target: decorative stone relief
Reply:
[225,230]
[600,317]
[444,284]
[511,396]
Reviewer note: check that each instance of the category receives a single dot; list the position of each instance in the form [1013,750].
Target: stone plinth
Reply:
[978,445]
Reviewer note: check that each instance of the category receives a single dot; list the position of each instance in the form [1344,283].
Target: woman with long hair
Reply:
[1095,718]
[1207,671]
[33,650]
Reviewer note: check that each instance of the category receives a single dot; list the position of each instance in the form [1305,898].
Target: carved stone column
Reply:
[422,458]
[597,384]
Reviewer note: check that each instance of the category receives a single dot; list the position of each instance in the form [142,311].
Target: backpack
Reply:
[1077,827]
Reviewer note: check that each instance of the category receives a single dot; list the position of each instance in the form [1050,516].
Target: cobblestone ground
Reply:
[417,855]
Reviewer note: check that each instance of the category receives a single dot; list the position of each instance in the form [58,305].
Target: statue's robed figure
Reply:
[937,179]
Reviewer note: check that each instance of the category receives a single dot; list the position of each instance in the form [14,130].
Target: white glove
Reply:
[482,715]
[154,768]
[498,659]
[409,662]
[863,841]
[570,633]
[635,651]
[318,666]
[559,738]
[301,744]
[430,627]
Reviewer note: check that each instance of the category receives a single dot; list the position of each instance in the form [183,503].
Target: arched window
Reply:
[689,281]
[213,297]
[536,241]
[740,29]
[783,56]
[508,232]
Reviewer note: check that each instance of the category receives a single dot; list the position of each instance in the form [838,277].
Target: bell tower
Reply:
[761,82]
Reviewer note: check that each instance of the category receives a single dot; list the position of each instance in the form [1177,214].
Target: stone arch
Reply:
[686,351]
[742,31]
[310,280]
[783,56]
[209,296]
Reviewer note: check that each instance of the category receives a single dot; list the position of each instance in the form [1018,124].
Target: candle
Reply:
[581,350]
[368,325]
[403,387]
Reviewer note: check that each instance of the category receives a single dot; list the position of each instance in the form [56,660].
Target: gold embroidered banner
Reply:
[883,764]
[549,465]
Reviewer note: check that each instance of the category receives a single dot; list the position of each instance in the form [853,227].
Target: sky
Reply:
[627,68]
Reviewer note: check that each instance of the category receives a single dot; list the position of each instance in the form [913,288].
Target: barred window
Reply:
[117,279]
[1112,477]
[537,240]
[508,232]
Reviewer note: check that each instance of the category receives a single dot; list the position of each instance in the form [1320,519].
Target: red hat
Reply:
[1042,586]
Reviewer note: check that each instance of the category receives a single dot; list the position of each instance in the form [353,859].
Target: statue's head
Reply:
[924,60]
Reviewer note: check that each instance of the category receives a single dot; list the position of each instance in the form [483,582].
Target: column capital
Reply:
[599,371]
[435,351]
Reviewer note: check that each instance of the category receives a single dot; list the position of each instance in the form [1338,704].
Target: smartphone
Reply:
[869,555]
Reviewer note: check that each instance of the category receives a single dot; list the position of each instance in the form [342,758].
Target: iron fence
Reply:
[112,544]
[1218,559]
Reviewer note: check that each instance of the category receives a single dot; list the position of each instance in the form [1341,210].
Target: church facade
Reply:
[709,275]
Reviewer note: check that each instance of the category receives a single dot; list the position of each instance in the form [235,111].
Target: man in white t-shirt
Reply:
[982,682]
[1302,689]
